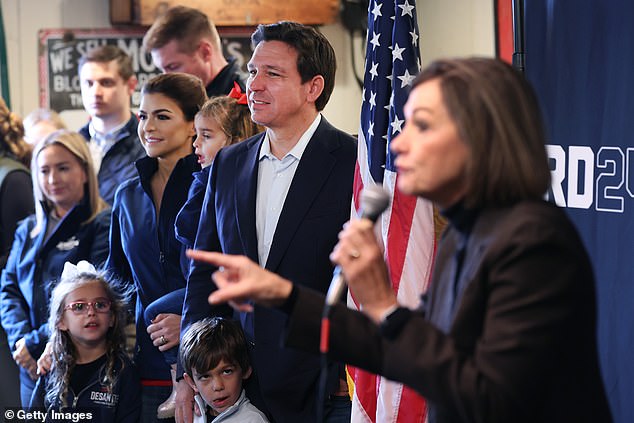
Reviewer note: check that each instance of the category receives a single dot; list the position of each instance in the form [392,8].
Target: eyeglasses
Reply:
[81,307]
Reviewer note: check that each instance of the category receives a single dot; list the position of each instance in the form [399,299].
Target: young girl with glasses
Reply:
[90,371]
[71,223]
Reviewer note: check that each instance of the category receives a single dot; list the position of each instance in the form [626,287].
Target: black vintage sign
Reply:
[60,50]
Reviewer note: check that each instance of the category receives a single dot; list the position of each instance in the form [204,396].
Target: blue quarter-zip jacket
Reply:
[35,265]
[121,404]
[145,251]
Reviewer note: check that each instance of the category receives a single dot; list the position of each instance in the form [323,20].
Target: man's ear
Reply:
[205,49]
[131,83]
[190,382]
[247,373]
[315,88]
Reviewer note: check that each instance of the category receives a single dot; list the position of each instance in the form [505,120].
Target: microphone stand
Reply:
[323,349]
[374,200]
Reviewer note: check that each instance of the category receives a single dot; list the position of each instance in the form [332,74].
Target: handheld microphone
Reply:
[374,201]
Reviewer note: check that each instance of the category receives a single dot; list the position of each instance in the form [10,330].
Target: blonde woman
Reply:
[71,223]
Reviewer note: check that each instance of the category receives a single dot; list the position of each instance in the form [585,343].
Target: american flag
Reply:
[407,228]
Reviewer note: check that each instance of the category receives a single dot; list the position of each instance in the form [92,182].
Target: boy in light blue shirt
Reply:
[215,358]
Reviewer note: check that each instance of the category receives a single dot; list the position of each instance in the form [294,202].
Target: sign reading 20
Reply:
[581,178]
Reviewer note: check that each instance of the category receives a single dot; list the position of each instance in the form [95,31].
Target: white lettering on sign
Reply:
[582,179]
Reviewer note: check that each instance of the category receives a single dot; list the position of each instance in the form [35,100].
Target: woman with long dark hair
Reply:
[143,246]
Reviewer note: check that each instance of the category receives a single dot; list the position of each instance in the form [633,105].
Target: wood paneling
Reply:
[230,12]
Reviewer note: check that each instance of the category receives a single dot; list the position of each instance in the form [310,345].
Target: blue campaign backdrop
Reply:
[580,59]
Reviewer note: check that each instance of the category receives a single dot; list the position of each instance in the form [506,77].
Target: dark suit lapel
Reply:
[479,241]
[313,170]
[245,197]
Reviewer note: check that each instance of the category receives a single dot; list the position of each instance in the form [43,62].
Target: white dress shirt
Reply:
[274,180]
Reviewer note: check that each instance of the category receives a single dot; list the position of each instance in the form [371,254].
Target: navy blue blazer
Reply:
[316,207]
[117,165]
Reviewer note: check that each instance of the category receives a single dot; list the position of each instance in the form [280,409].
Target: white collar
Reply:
[298,150]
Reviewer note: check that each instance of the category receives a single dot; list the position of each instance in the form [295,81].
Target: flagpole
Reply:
[518,35]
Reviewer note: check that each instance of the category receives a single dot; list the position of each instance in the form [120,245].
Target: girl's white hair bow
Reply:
[71,271]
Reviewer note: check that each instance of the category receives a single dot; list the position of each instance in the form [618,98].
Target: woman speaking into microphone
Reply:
[507,331]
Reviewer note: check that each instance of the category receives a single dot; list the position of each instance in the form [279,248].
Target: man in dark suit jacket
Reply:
[279,198]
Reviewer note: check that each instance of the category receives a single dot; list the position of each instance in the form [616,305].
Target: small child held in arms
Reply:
[89,369]
[222,121]
[216,360]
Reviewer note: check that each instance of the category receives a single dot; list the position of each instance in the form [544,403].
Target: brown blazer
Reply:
[522,345]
